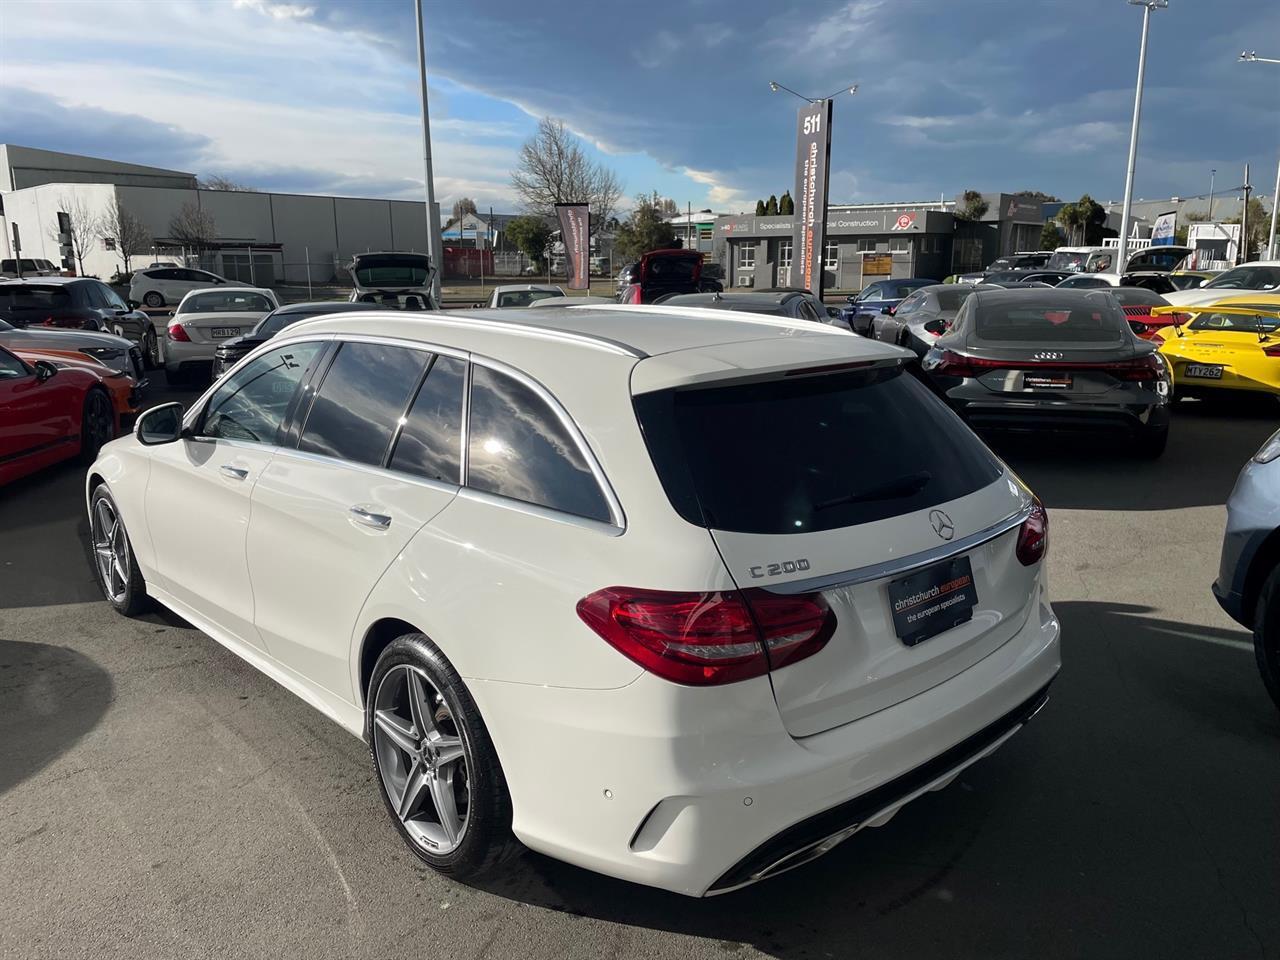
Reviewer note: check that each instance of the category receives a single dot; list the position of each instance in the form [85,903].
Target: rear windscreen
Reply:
[31,297]
[1060,323]
[954,298]
[810,453]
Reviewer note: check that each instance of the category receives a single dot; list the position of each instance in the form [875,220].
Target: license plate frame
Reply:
[224,333]
[1204,371]
[1048,381]
[934,600]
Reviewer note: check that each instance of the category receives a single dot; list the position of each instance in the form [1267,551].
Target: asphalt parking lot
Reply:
[159,798]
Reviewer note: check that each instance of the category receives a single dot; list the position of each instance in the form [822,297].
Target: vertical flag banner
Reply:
[575,231]
[1163,229]
[813,161]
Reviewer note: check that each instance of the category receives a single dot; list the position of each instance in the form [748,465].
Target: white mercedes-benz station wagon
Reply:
[680,596]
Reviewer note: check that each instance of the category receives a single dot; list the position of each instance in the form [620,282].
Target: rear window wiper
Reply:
[895,489]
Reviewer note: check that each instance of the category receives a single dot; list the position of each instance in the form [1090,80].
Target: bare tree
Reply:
[553,168]
[215,181]
[131,236]
[461,207]
[83,227]
[193,227]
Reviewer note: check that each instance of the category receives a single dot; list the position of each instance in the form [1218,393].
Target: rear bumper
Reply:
[1069,416]
[692,790]
[180,356]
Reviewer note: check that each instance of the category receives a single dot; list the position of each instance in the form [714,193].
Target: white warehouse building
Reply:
[264,238]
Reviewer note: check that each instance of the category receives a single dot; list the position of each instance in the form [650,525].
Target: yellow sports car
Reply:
[1233,344]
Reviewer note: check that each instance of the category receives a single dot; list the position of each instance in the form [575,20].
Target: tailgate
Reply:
[873,659]
[861,486]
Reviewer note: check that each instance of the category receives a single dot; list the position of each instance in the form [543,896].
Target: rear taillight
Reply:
[1033,535]
[952,364]
[178,333]
[1272,350]
[703,639]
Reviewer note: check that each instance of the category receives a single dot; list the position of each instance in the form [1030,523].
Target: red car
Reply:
[663,272]
[1137,303]
[51,412]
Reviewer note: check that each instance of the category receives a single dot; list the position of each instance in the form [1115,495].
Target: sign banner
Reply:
[1163,229]
[813,161]
[575,231]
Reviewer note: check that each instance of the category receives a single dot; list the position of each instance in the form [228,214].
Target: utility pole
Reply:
[1212,173]
[432,225]
[1147,7]
[1272,251]
[1242,248]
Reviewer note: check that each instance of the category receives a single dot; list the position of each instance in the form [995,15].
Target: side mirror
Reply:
[888,311]
[162,424]
[44,370]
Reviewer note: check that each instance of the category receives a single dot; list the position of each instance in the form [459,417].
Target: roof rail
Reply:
[711,313]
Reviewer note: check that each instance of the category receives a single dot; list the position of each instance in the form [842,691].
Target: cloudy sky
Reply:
[320,96]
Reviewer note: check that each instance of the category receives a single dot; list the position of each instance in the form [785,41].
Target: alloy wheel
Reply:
[110,550]
[421,758]
[98,427]
[151,348]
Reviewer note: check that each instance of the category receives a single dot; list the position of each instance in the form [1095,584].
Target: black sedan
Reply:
[1052,360]
[230,352]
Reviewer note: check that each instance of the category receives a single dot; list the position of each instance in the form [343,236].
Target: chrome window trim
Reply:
[192,414]
[382,472]
[618,518]
[907,564]
[534,510]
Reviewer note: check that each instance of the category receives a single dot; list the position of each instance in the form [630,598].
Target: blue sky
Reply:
[320,96]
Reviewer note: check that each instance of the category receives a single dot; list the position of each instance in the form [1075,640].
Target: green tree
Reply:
[1050,239]
[972,206]
[759,208]
[1180,234]
[1093,216]
[531,236]
[786,205]
[1259,226]
[1037,195]
[644,230]
[771,206]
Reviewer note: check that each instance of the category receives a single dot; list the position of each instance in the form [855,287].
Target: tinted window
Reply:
[22,296]
[1257,323]
[112,298]
[10,366]
[871,293]
[1090,322]
[1137,296]
[518,448]
[910,305]
[216,301]
[808,313]
[953,297]
[522,298]
[363,396]
[858,447]
[96,298]
[430,444]
[672,268]
[251,405]
[1247,278]
[1085,283]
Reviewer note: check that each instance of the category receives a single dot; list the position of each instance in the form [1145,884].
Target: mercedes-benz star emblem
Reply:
[942,524]
[1047,355]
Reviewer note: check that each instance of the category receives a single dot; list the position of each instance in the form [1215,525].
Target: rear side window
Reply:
[857,447]
[360,401]
[1091,322]
[430,443]
[519,448]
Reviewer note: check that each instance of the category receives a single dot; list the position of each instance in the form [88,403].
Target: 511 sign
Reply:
[813,160]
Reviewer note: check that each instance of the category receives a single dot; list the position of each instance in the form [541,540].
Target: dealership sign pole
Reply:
[575,233]
[813,161]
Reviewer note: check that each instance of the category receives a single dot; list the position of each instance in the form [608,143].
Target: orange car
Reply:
[125,391]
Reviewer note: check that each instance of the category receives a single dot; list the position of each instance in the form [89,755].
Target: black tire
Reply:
[1149,444]
[150,349]
[153,299]
[132,597]
[1266,634]
[486,839]
[97,424]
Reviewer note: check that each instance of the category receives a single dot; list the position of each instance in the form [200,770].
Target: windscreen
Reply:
[392,272]
[31,296]
[1067,260]
[1247,278]
[1257,323]
[1138,297]
[1052,321]
[523,298]
[664,269]
[810,453]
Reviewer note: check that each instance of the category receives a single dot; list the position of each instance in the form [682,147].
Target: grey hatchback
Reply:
[1248,584]
[1055,360]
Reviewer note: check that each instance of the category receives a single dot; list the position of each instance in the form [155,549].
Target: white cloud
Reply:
[278,11]
[720,193]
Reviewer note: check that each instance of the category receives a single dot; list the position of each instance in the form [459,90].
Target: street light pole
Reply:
[1272,250]
[433,225]
[1212,173]
[775,86]
[1147,7]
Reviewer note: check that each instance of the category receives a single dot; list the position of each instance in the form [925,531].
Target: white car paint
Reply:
[202,328]
[547,291]
[167,285]
[1213,290]
[656,782]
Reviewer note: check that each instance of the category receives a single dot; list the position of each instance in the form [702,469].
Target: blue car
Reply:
[874,298]
[1248,584]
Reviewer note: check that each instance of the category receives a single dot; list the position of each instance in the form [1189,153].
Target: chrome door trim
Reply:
[901,565]
[534,510]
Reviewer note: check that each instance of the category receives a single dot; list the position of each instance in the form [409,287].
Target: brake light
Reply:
[178,333]
[1033,535]
[705,639]
[952,364]
[1272,350]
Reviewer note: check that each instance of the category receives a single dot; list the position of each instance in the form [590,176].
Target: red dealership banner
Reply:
[575,231]
[813,157]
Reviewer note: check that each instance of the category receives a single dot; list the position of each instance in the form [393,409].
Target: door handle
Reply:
[235,473]
[379,521]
